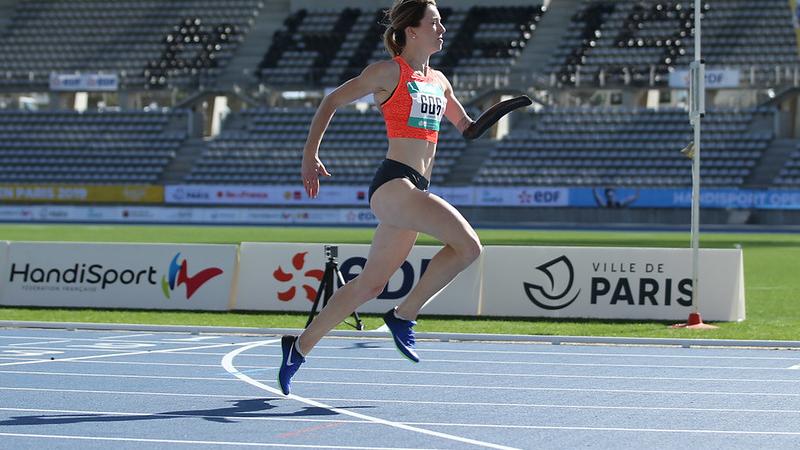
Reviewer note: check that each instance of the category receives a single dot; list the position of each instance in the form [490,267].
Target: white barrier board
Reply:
[611,283]
[3,267]
[140,276]
[286,276]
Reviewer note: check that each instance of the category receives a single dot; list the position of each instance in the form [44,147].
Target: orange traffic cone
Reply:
[695,322]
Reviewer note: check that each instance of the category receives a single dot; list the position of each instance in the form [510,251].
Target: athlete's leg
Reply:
[400,204]
[390,247]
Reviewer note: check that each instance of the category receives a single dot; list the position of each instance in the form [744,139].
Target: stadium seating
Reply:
[789,176]
[158,43]
[639,42]
[491,39]
[179,44]
[268,148]
[88,148]
[327,47]
[625,147]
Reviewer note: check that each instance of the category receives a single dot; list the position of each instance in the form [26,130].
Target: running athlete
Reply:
[413,98]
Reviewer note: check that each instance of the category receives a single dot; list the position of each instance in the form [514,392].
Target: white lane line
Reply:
[110,355]
[498,351]
[126,336]
[554,389]
[89,347]
[599,354]
[571,406]
[142,341]
[366,422]
[417,402]
[115,345]
[227,363]
[27,337]
[518,363]
[258,444]
[29,353]
[137,363]
[191,442]
[559,376]
[193,339]
[503,350]
[479,374]
[109,375]
[94,391]
[408,385]
[635,430]
[28,344]
[73,349]
[582,353]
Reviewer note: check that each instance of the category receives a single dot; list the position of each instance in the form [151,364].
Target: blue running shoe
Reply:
[289,363]
[403,334]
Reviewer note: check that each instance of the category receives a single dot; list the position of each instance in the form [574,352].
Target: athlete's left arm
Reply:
[454,111]
[473,129]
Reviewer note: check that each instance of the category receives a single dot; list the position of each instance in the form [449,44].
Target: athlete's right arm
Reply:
[374,78]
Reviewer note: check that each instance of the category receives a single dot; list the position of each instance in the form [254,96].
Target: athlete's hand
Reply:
[311,171]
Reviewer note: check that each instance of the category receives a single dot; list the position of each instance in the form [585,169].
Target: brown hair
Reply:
[404,13]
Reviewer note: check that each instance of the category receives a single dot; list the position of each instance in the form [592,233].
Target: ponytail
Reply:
[394,41]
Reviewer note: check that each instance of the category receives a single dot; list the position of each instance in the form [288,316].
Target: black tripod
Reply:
[326,285]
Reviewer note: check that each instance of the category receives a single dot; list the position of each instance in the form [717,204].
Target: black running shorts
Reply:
[391,169]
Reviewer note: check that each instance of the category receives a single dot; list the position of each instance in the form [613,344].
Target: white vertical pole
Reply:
[697,109]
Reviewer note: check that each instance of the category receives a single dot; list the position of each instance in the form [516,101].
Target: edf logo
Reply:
[407,271]
[349,269]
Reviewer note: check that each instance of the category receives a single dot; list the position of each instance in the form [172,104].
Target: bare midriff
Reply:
[415,153]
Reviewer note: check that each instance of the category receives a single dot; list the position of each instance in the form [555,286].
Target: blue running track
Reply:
[67,389]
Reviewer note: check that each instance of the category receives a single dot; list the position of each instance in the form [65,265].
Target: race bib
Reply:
[427,105]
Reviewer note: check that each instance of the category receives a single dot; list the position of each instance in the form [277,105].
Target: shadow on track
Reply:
[251,408]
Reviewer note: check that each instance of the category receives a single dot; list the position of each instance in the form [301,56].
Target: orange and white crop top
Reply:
[416,107]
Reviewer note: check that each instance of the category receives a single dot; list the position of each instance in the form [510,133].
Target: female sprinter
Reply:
[413,97]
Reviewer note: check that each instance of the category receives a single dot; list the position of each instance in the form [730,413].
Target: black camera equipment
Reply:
[325,291]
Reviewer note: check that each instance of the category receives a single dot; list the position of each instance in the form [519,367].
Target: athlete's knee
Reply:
[469,249]
[474,250]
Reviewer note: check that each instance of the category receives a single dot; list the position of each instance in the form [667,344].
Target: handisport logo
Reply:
[178,274]
[561,275]
[298,263]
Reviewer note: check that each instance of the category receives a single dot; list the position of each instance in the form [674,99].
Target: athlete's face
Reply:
[430,31]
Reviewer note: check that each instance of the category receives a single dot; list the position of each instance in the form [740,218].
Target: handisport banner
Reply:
[612,283]
[286,277]
[82,193]
[682,198]
[138,276]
